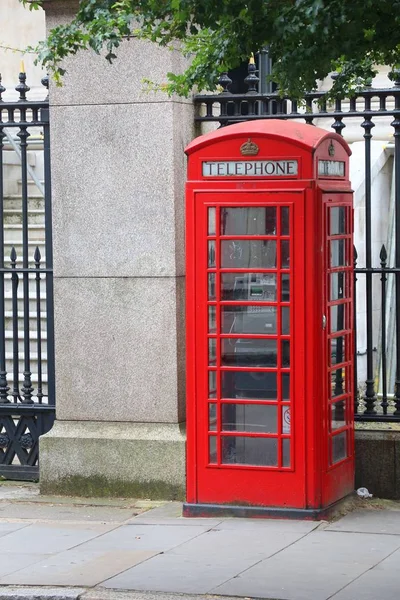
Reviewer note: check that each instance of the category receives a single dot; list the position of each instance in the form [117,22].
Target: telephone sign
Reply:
[269,321]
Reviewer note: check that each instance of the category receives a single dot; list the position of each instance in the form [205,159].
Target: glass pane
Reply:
[212,322]
[338,253]
[338,350]
[211,253]
[212,449]
[249,352]
[338,414]
[260,287]
[286,419]
[286,453]
[241,450]
[285,320]
[257,418]
[337,286]
[253,220]
[242,254]
[337,220]
[339,447]
[286,353]
[212,351]
[285,220]
[249,384]
[212,417]
[212,384]
[285,386]
[285,254]
[211,221]
[338,382]
[248,319]
[285,288]
[211,286]
[338,318]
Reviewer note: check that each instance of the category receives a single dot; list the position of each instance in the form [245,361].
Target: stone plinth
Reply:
[118,172]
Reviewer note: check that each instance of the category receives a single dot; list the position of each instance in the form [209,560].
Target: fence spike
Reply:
[355,254]
[383,255]
[13,255]
[37,256]
[22,88]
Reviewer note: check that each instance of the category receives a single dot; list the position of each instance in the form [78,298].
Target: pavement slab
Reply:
[77,567]
[314,568]
[49,538]
[369,521]
[177,573]
[62,512]
[380,582]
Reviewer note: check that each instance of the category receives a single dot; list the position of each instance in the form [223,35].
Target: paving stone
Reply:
[176,573]
[55,512]
[7,527]
[77,567]
[52,537]
[314,568]
[369,521]
[144,537]
[277,525]
[381,582]
[205,523]
[249,544]
[11,563]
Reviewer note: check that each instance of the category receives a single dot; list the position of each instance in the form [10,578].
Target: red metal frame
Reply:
[310,480]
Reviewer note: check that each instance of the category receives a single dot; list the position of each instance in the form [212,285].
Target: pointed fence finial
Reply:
[252,80]
[383,255]
[22,88]
[37,257]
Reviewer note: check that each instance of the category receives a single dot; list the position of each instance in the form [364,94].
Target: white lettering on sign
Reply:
[330,168]
[250,168]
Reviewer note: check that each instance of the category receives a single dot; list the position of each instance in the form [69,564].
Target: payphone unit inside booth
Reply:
[269,321]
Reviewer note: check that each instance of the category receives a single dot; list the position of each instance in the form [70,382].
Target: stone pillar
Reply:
[118,172]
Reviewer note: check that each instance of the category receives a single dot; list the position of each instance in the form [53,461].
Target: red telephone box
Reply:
[269,321]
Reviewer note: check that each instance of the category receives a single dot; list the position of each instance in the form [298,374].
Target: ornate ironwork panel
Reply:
[27,389]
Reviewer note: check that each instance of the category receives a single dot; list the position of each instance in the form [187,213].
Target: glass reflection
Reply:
[338,253]
[286,353]
[285,386]
[339,447]
[286,453]
[239,450]
[285,320]
[285,288]
[211,286]
[338,350]
[285,220]
[211,221]
[260,287]
[255,418]
[212,449]
[212,417]
[242,254]
[249,352]
[338,414]
[337,318]
[212,316]
[285,254]
[338,382]
[338,286]
[212,351]
[212,384]
[337,220]
[249,384]
[254,220]
[248,319]
[211,253]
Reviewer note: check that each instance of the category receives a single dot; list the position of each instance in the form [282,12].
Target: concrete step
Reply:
[13,233]
[13,216]
[20,301]
[32,320]
[32,187]
[10,157]
[32,340]
[14,201]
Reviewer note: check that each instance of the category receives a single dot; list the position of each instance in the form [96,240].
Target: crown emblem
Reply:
[249,148]
[331,149]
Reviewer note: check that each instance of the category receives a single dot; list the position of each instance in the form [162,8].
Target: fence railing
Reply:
[377,202]
[27,387]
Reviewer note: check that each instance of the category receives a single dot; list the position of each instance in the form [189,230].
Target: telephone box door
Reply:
[250,406]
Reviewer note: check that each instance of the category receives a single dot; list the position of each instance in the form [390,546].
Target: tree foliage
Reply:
[306,39]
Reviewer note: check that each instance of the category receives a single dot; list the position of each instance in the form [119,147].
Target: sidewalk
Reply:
[126,550]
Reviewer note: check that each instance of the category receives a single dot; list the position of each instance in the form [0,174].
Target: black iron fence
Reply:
[27,389]
[377,266]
